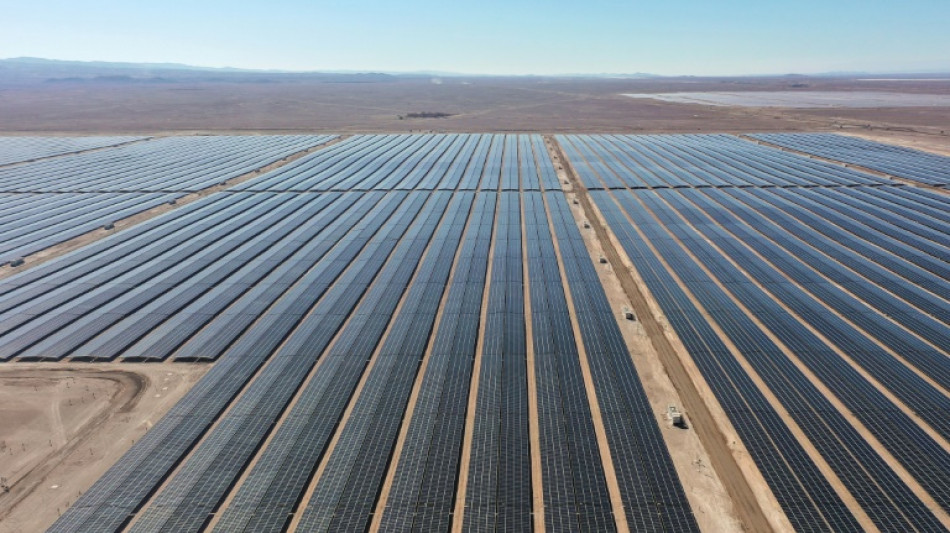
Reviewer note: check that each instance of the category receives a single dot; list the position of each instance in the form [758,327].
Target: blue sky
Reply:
[712,37]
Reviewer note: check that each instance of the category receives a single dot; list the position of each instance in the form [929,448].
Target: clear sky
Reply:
[671,37]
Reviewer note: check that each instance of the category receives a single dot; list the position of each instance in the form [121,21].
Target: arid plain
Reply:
[62,424]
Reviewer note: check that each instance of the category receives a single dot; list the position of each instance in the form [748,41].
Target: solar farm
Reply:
[476,332]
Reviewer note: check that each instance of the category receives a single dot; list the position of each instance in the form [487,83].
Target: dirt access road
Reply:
[63,425]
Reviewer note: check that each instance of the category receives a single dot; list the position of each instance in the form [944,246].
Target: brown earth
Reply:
[476,104]
[63,425]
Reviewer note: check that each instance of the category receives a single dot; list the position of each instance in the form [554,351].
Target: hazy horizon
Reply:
[424,72]
[731,38]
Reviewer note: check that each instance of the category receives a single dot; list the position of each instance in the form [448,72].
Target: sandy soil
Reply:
[475,105]
[544,105]
[63,425]
[933,120]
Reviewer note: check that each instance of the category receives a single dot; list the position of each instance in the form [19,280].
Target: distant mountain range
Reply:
[39,70]
[32,70]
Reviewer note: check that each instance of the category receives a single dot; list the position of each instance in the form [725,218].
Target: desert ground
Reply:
[63,424]
[547,105]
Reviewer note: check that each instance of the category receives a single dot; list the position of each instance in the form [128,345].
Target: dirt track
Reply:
[63,425]
[745,498]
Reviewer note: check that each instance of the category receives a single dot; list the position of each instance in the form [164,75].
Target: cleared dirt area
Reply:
[477,104]
[932,120]
[63,425]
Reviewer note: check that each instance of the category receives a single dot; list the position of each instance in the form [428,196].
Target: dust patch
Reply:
[62,425]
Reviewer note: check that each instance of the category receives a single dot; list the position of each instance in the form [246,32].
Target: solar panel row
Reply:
[30,222]
[358,306]
[923,455]
[933,242]
[188,294]
[366,308]
[805,495]
[51,201]
[330,505]
[574,482]
[406,162]
[867,404]
[920,287]
[126,486]
[892,204]
[357,510]
[840,288]
[897,161]
[869,230]
[498,490]
[167,164]
[288,274]
[158,277]
[345,496]
[23,149]
[652,495]
[762,263]
[676,161]
[426,472]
